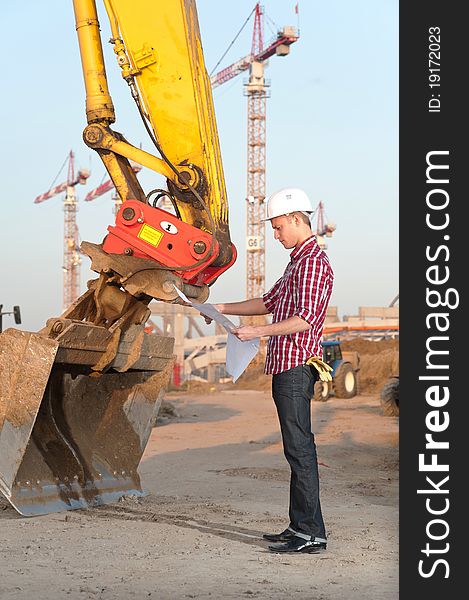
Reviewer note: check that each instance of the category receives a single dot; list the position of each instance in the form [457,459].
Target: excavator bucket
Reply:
[72,436]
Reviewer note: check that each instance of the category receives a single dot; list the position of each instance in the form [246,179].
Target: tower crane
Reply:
[72,260]
[256,90]
[321,226]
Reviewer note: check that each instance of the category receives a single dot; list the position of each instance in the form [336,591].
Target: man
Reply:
[298,303]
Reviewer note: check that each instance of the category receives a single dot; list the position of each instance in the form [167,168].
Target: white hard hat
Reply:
[286,201]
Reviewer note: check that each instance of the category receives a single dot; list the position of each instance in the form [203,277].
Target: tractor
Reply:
[390,392]
[390,397]
[345,366]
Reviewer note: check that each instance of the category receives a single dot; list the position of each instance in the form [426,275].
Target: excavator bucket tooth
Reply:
[71,437]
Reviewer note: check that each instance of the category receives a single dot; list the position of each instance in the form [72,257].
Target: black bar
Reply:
[433,234]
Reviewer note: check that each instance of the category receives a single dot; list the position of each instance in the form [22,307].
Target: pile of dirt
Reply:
[379,360]
[254,378]
[363,346]
[376,369]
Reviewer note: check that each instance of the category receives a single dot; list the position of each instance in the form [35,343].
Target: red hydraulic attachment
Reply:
[147,232]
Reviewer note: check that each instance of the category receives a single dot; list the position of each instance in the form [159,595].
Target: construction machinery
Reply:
[78,398]
[16,312]
[72,259]
[389,395]
[345,366]
[257,91]
[321,226]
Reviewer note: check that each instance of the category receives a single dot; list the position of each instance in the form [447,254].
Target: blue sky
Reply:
[332,129]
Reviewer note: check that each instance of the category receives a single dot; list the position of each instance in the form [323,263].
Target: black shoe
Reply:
[297,544]
[285,536]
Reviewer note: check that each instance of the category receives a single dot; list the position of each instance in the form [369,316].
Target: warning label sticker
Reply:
[150,234]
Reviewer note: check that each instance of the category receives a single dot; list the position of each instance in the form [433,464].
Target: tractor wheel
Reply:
[390,398]
[345,381]
[322,390]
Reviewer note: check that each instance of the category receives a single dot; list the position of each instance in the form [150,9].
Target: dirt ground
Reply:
[217,480]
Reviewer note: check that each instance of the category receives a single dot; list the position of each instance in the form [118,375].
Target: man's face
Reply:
[286,230]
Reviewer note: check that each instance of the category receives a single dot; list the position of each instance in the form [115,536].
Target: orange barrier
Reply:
[351,327]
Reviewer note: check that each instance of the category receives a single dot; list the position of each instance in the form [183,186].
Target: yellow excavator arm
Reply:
[78,398]
[158,48]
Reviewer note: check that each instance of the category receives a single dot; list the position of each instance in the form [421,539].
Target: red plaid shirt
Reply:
[304,290]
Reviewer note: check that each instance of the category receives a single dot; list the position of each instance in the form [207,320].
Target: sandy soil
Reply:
[217,480]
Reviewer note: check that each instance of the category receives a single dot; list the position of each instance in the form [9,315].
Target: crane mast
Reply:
[72,260]
[71,246]
[256,90]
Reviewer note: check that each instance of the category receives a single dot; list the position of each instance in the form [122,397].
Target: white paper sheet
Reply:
[238,354]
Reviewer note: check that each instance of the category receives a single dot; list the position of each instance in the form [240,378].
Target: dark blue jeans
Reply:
[292,391]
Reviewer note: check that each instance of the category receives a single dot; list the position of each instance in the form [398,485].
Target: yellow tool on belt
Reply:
[321,367]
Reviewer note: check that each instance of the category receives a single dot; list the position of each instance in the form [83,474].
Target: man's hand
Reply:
[209,320]
[246,333]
